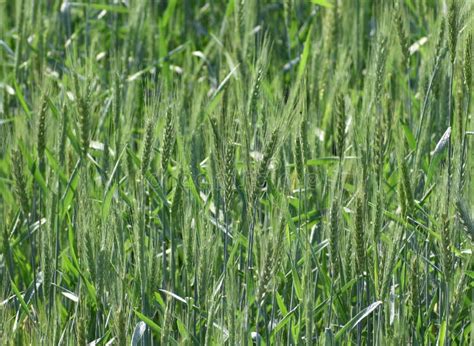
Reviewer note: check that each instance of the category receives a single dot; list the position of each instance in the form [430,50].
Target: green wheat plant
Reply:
[236,172]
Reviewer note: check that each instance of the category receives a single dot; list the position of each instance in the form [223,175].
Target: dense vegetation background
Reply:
[236,172]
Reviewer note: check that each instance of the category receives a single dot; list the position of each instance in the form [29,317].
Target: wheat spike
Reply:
[452,28]
[20,181]
[41,140]
[147,145]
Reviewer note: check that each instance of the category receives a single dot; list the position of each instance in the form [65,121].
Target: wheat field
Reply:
[236,172]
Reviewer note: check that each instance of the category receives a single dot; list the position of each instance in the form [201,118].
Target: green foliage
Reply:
[244,171]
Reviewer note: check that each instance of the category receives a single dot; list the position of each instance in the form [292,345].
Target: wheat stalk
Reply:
[359,237]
